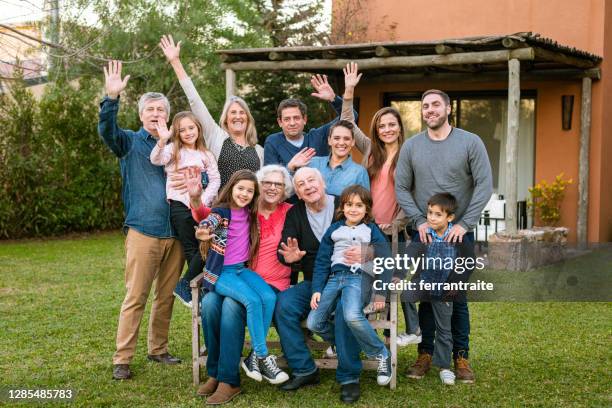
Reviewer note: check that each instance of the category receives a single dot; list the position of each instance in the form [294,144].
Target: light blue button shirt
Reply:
[345,174]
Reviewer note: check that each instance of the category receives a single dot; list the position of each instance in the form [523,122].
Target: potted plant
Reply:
[543,244]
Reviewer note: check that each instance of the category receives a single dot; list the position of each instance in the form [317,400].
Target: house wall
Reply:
[557,150]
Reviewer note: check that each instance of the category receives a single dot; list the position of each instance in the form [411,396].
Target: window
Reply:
[485,114]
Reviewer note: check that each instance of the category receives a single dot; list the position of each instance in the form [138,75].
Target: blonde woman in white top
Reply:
[233,141]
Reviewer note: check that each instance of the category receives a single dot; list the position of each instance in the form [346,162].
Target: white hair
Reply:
[316,172]
[153,96]
[275,168]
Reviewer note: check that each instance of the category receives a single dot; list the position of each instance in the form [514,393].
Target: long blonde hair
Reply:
[251,132]
[176,137]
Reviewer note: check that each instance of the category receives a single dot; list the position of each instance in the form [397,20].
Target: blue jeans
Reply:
[347,284]
[460,319]
[223,321]
[247,287]
[292,307]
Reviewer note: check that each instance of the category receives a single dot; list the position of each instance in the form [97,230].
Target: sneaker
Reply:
[420,367]
[331,352]
[183,292]
[464,371]
[447,376]
[405,339]
[383,372]
[250,367]
[270,371]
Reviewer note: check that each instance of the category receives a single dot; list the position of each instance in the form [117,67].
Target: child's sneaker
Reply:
[447,376]
[183,292]
[250,366]
[405,339]
[384,371]
[331,352]
[270,371]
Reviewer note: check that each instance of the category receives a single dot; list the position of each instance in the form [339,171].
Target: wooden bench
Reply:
[378,320]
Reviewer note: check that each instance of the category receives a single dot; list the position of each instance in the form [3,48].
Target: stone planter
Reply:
[527,249]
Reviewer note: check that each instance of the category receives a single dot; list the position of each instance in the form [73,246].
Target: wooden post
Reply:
[230,83]
[583,163]
[512,141]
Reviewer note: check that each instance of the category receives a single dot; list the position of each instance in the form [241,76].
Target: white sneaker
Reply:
[405,339]
[447,377]
[330,352]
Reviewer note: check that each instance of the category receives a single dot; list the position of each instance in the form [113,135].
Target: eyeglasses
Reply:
[270,184]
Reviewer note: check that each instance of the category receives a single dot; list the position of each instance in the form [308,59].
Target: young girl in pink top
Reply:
[186,150]
[232,226]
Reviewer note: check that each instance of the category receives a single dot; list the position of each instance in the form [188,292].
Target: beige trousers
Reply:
[148,260]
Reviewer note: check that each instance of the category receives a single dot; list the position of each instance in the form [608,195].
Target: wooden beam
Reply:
[443,49]
[512,43]
[386,63]
[512,142]
[484,76]
[280,56]
[561,58]
[228,58]
[230,83]
[583,164]
[327,54]
[381,51]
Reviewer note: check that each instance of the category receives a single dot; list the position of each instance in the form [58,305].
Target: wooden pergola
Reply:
[474,59]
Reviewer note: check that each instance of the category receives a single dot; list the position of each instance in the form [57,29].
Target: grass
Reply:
[60,299]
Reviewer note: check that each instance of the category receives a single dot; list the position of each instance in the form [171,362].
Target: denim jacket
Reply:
[143,184]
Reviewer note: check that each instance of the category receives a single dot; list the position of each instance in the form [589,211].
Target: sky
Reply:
[17,11]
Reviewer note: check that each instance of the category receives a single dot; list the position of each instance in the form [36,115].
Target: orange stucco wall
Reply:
[578,23]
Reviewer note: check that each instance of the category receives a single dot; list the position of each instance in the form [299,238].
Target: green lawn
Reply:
[60,299]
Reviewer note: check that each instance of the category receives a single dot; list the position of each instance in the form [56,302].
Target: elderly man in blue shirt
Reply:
[152,253]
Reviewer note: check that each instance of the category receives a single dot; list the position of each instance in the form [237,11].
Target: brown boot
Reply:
[224,393]
[463,371]
[420,367]
[208,388]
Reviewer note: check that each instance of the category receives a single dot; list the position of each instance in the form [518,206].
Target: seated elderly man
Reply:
[305,224]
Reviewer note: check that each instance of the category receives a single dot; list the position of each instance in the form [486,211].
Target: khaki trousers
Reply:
[148,260]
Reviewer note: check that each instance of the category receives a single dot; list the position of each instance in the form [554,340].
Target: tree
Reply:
[278,23]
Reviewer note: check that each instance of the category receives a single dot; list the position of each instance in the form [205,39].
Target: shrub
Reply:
[546,199]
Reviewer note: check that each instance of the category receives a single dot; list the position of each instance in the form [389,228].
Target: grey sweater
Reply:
[458,165]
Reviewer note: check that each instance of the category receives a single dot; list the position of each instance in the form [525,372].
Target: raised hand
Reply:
[113,84]
[193,181]
[291,251]
[351,76]
[163,132]
[323,89]
[171,51]
[301,159]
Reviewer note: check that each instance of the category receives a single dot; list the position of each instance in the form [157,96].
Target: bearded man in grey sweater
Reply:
[443,159]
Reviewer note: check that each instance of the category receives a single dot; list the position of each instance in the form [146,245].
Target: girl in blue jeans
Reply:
[355,226]
[232,224]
